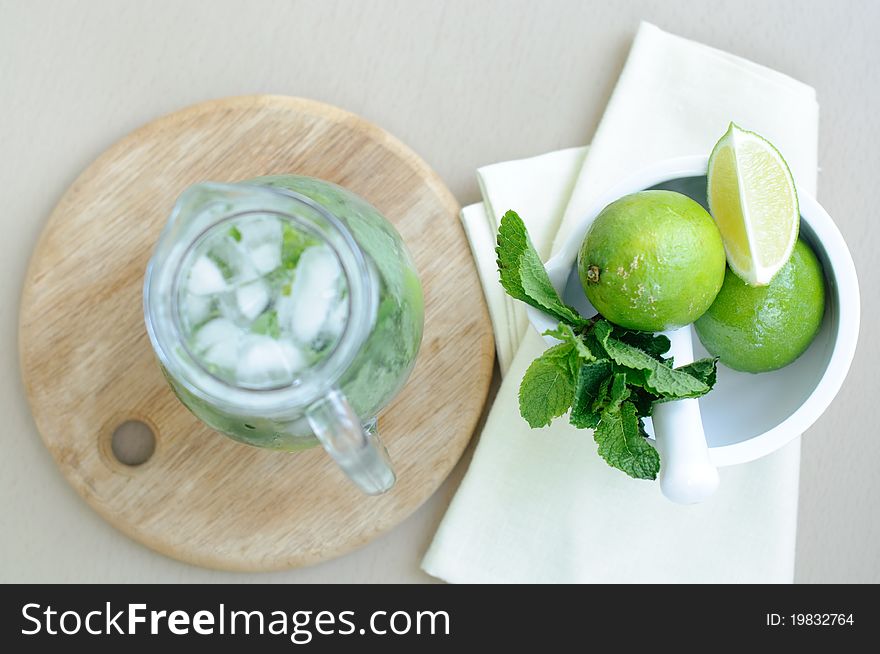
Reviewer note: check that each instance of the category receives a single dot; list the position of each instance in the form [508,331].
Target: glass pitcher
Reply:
[286,311]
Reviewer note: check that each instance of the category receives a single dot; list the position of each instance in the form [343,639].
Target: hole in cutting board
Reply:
[133,443]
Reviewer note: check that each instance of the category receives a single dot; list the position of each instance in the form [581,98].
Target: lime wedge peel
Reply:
[753,200]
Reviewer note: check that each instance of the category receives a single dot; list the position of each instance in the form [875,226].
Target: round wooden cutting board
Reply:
[88,366]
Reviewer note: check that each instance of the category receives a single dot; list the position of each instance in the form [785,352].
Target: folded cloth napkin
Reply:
[539,188]
[541,506]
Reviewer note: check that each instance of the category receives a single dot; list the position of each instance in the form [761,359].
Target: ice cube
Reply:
[261,239]
[284,306]
[216,343]
[266,257]
[314,294]
[233,260]
[262,360]
[252,299]
[222,355]
[296,360]
[197,308]
[205,277]
[219,331]
[263,229]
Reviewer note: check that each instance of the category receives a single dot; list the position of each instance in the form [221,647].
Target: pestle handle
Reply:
[687,475]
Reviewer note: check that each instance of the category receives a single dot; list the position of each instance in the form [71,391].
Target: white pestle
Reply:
[687,475]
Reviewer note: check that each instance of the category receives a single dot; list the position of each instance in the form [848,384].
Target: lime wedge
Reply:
[754,203]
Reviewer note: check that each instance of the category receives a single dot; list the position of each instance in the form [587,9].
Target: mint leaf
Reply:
[587,393]
[602,332]
[225,269]
[643,401]
[619,391]
[643,398]
[622,444]
[604,394]
[547,388]
[635,377]
[566,334]
[592,343]
[235,234]
[706,370]
[293,244]
[654,344]
[659,379]
[523,275]
[267,324]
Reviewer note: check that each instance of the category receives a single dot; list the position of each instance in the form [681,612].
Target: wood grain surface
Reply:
[88,366]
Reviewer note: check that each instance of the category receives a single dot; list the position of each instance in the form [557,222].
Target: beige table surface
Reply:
[465,83]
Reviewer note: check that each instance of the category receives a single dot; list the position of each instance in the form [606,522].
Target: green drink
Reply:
[286,311]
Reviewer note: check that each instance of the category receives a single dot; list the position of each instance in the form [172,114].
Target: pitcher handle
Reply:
[355,448]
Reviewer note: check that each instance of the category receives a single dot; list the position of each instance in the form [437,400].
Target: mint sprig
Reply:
[606,377]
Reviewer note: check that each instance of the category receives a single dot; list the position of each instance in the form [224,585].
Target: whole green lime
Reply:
[652,261]
[761,328]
